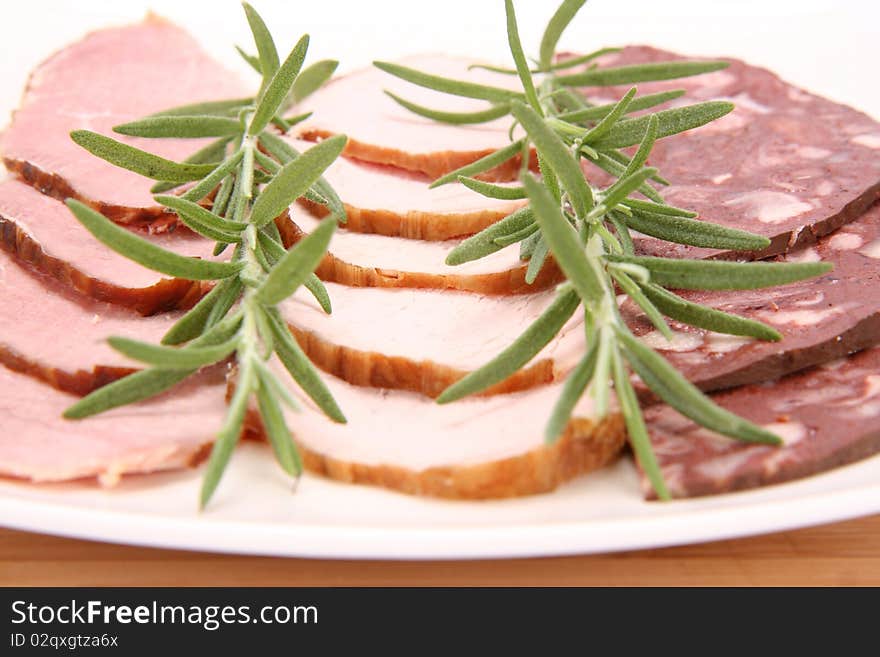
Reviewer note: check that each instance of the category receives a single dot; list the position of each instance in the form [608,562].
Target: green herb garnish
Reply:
[239,184]
[587,230]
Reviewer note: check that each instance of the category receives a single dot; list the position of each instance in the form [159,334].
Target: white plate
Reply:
[827,49]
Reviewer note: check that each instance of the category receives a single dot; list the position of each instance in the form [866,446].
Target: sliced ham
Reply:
[110,77]
[382,131]
[827,417]
[42,232]
[362,260]
[474,449]
[785,163]
[38,445]
[381,199]
[59,336]
[423,340]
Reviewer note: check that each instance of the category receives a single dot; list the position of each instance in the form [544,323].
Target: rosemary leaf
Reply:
[639,103]
[136,248]
[173,358]
[316,286]
[278,87]
[612,76]
[694,232]
[622,231]
[633,291]
[658,208]
[229,433]
[128,390]
[194,321]
[518,236]
[294,179]
[626,186]
[454,118]
[482,165]
[230,107]
[560,20]
[485,242]
[268,54]
[294,268]
[180,127]
[252,61]
[213,153]
[609,120]
[134,159]
[582,59]
[450,86]
[705,317]
[641,155]
[722,274]
[572,391]
[202,220]
[606,163]
[209,183]
[311,79]
[684,397]
[302,370]
[635,427]
[276,429]
[519,58]
[537,260]
[528,245]
[520,352]
[492,191]
[563,242]
[558,157]
[630,132]
[270,380]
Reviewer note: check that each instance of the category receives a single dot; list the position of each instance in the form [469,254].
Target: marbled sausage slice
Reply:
[110,77]
[42,232]
[169,432]
[828,416]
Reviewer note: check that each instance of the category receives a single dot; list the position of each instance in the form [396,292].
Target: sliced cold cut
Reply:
[785,163]
[59,336]
[169,432]
[110,77]
[362,260]
[828,416]
[41,231]
[381,199]
[821,319]
[380,130]
[477,448]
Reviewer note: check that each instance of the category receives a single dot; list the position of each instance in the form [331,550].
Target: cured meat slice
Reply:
[377,261]
[827,416]
[821,319]
[58,336]
[42,232]
[384,132]
[424,340]
[785,163]
[37,444]
[381,199]
[110,77]
[477,448]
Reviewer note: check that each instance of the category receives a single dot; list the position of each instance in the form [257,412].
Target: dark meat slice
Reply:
[827,417]
[42,232]
[785,163]
[59,336]
[39,445]
[821,319]
[111,76]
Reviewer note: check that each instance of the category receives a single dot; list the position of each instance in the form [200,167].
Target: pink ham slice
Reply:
[381,131]
[42,232]
[58,336]
[785,163]
[827,417]
[474,449]
[167,433]
[110,77]
[423,340]
[362,260]
[381,199]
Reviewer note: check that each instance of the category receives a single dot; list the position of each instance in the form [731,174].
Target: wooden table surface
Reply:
[846,553]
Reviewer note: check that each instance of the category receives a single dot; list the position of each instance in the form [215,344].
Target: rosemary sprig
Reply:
[239,184]
[587,229]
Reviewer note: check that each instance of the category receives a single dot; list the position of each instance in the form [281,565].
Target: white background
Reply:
[829,46]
